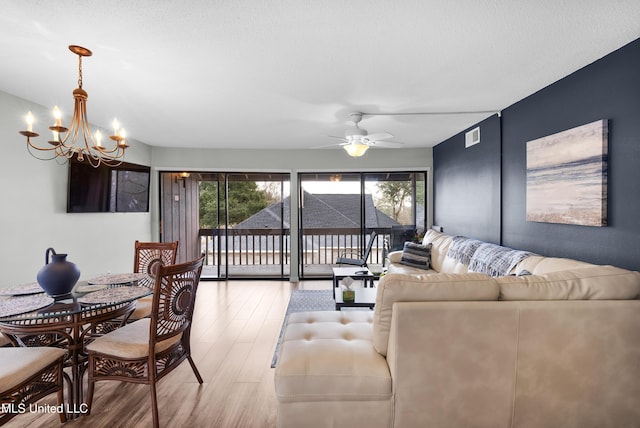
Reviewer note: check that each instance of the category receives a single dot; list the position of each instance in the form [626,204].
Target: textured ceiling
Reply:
[286,74]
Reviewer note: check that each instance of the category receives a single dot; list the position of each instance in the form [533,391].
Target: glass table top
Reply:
[85,297]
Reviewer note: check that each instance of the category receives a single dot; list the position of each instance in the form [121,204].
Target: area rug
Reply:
[303,301]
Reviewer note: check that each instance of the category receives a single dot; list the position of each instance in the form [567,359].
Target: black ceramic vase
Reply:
[58,277]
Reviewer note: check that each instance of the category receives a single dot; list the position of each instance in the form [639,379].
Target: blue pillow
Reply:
[416,255]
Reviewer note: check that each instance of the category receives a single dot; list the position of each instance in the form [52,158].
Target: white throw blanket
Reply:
[463,248]
[495,260]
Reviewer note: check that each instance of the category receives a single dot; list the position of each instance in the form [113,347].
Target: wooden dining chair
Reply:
[144,351]
[26,376]
[148,257]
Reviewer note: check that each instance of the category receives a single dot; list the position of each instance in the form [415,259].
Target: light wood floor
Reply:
[236,325]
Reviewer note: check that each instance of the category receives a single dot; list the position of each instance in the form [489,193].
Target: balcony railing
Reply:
[239,247]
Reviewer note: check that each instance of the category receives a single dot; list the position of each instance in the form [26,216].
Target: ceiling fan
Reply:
[357,140]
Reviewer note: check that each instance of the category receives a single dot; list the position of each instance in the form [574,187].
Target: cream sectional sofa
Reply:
[559,347]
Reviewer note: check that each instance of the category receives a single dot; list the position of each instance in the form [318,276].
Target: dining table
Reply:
[29,317]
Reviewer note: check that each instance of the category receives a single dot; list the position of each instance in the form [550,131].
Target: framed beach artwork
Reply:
[567,176]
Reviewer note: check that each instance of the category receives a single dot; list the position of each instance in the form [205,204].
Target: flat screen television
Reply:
[124,188]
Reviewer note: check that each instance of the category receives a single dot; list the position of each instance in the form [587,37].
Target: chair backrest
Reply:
[367,250]
[174,297]
[149,256]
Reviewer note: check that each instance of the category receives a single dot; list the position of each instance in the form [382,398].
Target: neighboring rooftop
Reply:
[322,211]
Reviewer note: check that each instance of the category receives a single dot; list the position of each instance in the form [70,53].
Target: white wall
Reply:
[283,160]
[33,209]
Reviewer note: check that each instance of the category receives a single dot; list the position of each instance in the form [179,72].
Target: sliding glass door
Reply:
[257,221]
[241,221]
[338,211]
[330,220]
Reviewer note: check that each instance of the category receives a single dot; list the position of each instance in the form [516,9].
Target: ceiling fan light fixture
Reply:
[356,149]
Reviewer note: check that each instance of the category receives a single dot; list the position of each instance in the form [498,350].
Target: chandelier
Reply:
[89,146]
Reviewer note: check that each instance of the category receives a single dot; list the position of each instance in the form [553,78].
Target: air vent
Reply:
[472,137]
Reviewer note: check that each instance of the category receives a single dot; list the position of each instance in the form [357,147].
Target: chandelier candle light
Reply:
[65,147]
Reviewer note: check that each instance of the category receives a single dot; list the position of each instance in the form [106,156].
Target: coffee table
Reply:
[365,298]
[355,272]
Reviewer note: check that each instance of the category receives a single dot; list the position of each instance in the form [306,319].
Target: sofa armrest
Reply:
[394,256]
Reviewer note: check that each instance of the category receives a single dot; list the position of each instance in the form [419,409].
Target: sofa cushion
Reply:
[130,341]
[440,246]
[328,356]
[587,283]
[416,255]
[427,287]
[18,364]
[539,265]
[407,270]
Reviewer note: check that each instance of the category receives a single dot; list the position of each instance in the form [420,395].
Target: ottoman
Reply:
[329,374]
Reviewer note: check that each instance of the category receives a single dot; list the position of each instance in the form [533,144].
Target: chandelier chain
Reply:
[80,71]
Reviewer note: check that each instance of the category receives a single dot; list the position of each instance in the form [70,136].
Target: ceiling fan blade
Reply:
[326,146]
[344,142]
[386,143]
[379,136]
[339,138]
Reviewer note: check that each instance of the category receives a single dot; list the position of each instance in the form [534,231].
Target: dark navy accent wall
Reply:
[467,184]
[606,89]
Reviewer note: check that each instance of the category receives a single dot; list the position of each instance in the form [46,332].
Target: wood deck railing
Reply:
[273,247]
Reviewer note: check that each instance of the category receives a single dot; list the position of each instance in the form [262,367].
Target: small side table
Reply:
[340,273]
[365,298]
